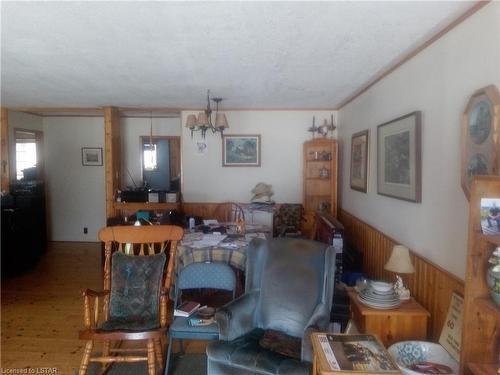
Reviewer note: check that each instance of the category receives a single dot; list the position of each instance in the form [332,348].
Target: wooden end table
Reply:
[407,322]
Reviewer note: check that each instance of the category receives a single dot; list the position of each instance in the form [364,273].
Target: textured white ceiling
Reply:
[166,54]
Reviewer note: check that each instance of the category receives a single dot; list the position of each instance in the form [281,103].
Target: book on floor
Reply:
[186,308]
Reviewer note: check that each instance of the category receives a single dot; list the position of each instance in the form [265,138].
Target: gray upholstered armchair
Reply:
[289,288]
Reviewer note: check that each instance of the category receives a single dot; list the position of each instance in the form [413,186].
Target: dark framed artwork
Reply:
[399,158]
[480,141]
[91,156]
[241,150]
[359,160]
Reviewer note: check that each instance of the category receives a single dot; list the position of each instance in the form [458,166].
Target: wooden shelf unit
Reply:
[320,153]
[481,328]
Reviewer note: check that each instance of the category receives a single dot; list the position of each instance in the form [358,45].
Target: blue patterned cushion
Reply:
[135,291]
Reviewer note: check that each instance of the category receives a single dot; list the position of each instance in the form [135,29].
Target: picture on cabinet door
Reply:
[490,215]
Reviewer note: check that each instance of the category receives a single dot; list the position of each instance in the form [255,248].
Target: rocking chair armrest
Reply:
[91,306]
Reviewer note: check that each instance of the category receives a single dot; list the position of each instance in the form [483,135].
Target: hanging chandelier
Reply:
[204,120]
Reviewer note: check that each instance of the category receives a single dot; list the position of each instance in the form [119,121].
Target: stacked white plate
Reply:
[379,295]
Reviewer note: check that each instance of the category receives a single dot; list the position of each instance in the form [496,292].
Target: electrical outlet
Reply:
[85,230]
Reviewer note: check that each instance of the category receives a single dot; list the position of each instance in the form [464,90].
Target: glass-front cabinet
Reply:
[320,176]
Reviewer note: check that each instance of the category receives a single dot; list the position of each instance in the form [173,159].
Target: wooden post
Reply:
[5,171]
[112,157]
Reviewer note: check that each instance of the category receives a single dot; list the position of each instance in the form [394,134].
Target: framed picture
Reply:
[241,150]
[359,160]
[399,158]
[352,354]
[91,155]
[480,141]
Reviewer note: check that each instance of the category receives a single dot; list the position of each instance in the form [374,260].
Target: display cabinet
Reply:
[481,330]
[320,176]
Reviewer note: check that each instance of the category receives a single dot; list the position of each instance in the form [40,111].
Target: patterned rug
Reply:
[188,364]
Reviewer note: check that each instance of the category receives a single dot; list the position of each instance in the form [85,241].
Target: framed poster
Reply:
[91,156]
[241,150]
[480,143]
[399,158]
[359,160]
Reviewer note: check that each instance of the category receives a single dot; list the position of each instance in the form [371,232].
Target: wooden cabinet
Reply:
[481,329]
[320,176]
[407,322]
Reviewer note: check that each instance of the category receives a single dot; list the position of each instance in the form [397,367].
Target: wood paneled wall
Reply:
[203,210]
[431,285]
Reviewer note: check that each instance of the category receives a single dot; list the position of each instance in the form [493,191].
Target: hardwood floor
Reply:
[42,310]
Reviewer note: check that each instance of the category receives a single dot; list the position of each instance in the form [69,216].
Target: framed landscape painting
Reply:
[241,150]
[399,158]
[359,161]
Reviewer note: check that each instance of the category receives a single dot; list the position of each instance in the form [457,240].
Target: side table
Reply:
[407,322]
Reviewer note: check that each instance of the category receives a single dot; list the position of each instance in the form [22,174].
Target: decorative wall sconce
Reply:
[204,120]
[324,129]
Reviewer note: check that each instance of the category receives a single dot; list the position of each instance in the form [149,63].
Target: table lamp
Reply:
[400,262]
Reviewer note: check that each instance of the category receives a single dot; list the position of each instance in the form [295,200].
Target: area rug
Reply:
[187,364]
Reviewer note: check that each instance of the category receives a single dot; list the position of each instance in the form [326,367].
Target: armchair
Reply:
[289,288]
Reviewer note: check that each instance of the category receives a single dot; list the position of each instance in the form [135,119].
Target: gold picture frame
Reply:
[480,136]
[360,146]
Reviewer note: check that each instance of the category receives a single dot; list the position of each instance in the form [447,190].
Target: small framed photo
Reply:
[241,151]
[91,156]
[490,216]
[399,158]
[359,160]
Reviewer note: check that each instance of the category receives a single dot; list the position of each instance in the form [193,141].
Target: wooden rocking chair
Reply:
[133,305]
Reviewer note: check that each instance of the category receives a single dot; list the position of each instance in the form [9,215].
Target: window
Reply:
[150,157]
[25,157]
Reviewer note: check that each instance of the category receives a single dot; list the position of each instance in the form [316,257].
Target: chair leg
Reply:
[105,353]
[181,344]
[158,352]
[151,358]
[86,357]
[169,353]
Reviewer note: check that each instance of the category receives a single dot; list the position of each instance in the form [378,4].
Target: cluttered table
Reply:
[231,248]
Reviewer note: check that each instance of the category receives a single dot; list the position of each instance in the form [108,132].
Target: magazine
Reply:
[362,353]
[186,308]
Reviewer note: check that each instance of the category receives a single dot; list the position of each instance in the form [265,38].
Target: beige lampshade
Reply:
[191,121]
[399,261]
[221,121]
[202,119]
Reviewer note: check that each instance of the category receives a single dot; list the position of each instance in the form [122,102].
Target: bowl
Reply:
[407,353]
[381,286]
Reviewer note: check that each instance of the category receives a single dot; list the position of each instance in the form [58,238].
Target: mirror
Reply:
[161,166]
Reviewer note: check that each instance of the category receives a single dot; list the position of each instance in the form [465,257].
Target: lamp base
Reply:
[400,289]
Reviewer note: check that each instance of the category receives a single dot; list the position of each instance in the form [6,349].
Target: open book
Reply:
[186,309]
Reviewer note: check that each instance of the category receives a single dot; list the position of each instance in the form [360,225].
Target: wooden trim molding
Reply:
[431,285]
[112,156]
